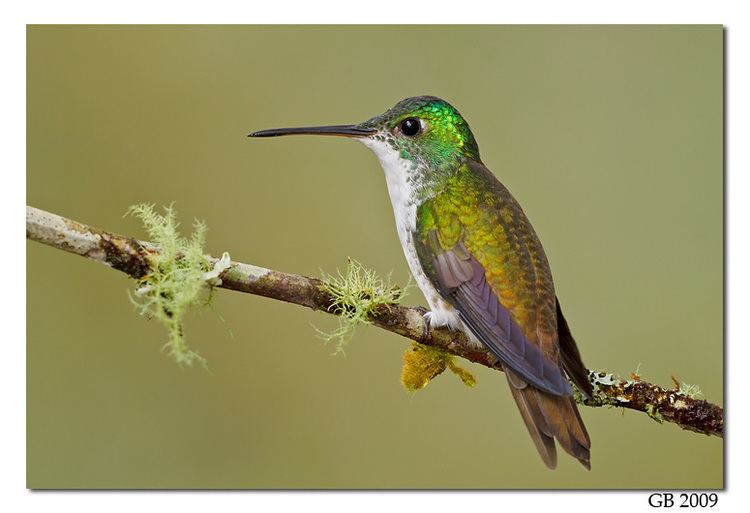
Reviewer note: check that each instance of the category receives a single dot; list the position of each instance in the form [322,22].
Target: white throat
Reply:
[400,189]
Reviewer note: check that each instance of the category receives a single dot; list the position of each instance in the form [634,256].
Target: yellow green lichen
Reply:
[179,279]
[691,391]
[355,295]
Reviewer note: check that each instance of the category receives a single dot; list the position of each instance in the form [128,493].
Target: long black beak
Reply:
[340,130]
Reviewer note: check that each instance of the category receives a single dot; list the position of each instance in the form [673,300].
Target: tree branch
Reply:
[132,257]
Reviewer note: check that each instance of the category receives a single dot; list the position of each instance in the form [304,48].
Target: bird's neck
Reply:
[410,180]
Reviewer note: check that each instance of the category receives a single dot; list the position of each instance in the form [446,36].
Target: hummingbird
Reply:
[477,260]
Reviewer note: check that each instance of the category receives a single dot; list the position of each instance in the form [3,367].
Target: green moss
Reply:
[423,363]
[180,277]
[356,294]
[464,375]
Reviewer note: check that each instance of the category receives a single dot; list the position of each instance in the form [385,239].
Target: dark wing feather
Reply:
[461,280]
[571,358]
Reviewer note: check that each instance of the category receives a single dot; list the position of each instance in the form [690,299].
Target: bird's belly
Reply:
[441,312]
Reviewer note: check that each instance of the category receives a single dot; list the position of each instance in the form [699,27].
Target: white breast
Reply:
[401,192]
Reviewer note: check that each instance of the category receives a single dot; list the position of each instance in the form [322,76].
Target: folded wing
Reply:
[461,279]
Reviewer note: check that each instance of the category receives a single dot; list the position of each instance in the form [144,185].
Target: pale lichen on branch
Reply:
[355,295]
[178,278]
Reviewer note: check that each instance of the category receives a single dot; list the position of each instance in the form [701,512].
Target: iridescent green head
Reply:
[425,128]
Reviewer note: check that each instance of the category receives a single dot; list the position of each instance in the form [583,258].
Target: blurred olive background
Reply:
[610,137]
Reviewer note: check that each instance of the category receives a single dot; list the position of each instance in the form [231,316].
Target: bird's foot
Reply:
[439,318]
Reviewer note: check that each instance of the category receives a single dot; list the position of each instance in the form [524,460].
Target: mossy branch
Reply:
[136,258]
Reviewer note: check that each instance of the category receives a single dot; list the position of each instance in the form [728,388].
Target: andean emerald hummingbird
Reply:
[478,261]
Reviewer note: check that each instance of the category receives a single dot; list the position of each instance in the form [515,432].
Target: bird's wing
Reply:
[481,253]
[461,280]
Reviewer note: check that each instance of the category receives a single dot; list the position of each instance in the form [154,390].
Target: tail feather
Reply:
[562,414]
[540,431]
[549,417]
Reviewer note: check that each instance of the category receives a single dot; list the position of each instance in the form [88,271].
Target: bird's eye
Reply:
[410,127]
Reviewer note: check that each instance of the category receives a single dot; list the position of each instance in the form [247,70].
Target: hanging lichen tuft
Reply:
[355,295]
[423,363]
[180,277]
